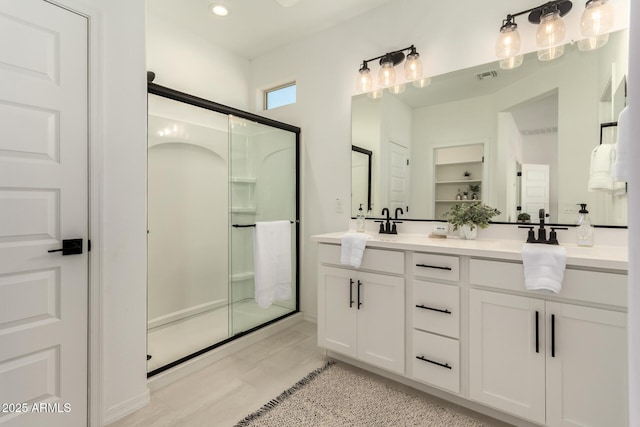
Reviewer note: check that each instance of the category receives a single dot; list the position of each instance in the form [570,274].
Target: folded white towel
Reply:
[543,266]
[600,173]
[272,262]
[623,148]
[353,245]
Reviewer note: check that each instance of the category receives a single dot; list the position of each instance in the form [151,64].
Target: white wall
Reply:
[186,62]
[325,67]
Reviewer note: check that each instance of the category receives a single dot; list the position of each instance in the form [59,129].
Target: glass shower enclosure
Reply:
[213,173]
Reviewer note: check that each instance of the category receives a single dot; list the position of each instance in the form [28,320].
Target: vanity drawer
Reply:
[434,266]
[436,308]
[436,360]
[591,286]
[381,260]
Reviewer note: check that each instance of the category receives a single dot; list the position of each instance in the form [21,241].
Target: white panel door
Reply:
[535,189]
[381,321]
[506,353]
[587,372]
[337,310]
[43,200]
[398,184]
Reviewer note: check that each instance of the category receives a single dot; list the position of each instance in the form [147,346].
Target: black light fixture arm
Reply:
[536,13]
[396,56]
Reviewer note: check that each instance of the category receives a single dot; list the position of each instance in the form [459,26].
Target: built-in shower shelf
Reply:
[238,277]
[244,210]
[242,180]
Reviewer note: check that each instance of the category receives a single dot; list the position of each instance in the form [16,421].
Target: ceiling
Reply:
[255,27]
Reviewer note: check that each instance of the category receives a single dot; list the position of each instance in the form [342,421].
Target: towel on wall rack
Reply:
[272,262]
[601,170]
[622,164]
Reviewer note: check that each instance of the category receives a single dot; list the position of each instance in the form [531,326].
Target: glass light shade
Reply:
[387,74]
[597,18]
[511,62]
[365,82]
[376,94]
[422,82]
[397,88]
[508,43]
[549,36]
[413,67]
[593,43]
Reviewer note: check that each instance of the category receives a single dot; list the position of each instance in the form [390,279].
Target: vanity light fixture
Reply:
[597,20]
[387,72]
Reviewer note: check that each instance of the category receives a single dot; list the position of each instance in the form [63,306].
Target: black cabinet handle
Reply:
[444,365]
[350,293]
[537,334]
[359,303]
[433,266]
[424,307]
[553,335]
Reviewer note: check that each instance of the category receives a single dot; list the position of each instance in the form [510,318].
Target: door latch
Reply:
[70,247]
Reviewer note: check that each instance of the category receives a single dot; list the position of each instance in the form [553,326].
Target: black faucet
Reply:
[542,232]
[385,227]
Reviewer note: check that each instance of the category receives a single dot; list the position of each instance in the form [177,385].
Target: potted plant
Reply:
[467,217]
[524,217]
[474,189]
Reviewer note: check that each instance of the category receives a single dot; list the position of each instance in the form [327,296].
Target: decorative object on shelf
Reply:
[467,217]
[387,73]
[524,217]
[474,189]
[459,195]
[467,175]
[465,195]
[596,21]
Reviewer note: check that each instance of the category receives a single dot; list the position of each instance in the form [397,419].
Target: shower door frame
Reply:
[165,92]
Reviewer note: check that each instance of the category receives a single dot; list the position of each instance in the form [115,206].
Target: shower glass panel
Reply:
[187,230]
[262,188]
[213,172]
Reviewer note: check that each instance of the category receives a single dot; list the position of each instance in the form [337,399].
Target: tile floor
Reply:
[225,392]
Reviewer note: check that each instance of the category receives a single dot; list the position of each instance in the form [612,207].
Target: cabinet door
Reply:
[381,321]
[337,323]
[587,373]
[505,370]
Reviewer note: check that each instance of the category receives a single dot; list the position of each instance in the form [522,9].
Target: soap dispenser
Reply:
[584,229]
[360,220]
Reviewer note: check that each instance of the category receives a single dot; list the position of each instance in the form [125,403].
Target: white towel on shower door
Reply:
[272,262]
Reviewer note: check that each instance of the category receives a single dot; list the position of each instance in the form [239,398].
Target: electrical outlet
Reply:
[338,205]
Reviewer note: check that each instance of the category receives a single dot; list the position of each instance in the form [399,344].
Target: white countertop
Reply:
[600,257]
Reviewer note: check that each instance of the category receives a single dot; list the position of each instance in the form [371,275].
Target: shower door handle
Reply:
[350,293]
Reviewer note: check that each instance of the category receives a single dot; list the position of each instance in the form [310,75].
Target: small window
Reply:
[279,96]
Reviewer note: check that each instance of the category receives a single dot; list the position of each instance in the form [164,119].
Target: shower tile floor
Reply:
[175,340]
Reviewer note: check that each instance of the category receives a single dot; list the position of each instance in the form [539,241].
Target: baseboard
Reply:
[125,408]
[184,313]
[313,318]
[167,377]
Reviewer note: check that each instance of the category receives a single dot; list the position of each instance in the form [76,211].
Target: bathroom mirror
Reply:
[543,117]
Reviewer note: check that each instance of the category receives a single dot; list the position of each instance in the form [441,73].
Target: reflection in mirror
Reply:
[361,160]
[538,124]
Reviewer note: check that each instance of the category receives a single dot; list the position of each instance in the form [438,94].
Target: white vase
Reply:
[467,233]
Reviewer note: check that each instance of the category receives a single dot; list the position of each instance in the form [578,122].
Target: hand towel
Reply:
[601,170]
[272,262]
[353,245]
[543,266]
[623,145]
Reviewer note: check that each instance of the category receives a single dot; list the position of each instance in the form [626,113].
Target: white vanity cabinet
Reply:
[361,314]
[551,362]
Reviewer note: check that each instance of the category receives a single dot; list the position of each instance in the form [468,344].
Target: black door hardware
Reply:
[359,303]
[553,335]
[350,293]
[433,266]
[444,365]
[70,247]
[537,334]
[433,309]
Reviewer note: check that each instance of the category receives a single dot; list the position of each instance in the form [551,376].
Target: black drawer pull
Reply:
[433,266]
[424,307]
[444,365]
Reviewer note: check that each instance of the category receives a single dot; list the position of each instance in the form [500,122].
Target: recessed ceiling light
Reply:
[287,3]
[219,9]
